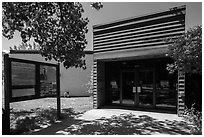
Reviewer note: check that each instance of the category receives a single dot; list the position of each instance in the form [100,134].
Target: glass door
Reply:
[145,88]
[128,88]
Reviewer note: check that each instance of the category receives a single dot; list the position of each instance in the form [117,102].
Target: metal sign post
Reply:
[7,91]
[58,92]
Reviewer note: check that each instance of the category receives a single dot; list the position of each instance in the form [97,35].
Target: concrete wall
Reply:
[73,80]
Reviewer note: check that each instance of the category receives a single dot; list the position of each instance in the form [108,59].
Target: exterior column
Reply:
[181,93]
[95,84]
[100,83]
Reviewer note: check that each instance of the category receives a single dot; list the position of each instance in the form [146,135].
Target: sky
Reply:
[113,11]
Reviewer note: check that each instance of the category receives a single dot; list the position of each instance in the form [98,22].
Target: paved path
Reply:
[118,122]
[98,113]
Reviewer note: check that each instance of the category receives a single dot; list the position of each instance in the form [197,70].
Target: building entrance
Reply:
[137,88]
[128,84]
[145,88]
[141,84]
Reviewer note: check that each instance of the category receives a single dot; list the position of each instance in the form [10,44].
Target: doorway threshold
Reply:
[158,110]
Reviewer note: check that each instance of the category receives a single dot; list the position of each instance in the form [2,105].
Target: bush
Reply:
[89,85]
[194,118]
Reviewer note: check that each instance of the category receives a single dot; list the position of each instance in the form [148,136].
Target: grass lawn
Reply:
[35,114]
[79,104]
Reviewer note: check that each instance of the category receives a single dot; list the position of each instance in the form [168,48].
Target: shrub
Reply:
[194,118]
[89,85]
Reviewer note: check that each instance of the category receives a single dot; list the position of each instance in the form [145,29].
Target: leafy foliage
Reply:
[194,117]
[186,50]
[89,85]
[26,46]
[58,27]
[97,5]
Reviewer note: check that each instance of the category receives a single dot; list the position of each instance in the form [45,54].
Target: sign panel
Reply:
[32,79]
[134,89]
[114,84]
[47,81]
[164,83]
[23,79]
[138,89]
[22,73]
[23,92]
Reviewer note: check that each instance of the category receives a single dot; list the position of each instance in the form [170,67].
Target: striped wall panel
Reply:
[181,93]
[98,84]
[95,84]
[145,31]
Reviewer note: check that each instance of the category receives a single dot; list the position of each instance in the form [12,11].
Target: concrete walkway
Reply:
[108,113]
[118,122]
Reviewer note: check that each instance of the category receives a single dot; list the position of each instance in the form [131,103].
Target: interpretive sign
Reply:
[32,80]
[26,80]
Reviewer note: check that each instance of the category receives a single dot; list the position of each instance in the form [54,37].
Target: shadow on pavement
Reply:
[124,124]
[37,119]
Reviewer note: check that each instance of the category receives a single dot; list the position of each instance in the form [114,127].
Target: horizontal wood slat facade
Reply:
[144,31]
[141,34]
[138,29]
[171,11]
[138,37]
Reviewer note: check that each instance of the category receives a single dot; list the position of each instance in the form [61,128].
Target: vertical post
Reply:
[154,88]
[137,85]
[7,90]
[37,80]
[121,87]
[58,91]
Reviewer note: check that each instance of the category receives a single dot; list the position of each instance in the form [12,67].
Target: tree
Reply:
[97,5]
[26,46]
[57,27]
[186,51]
